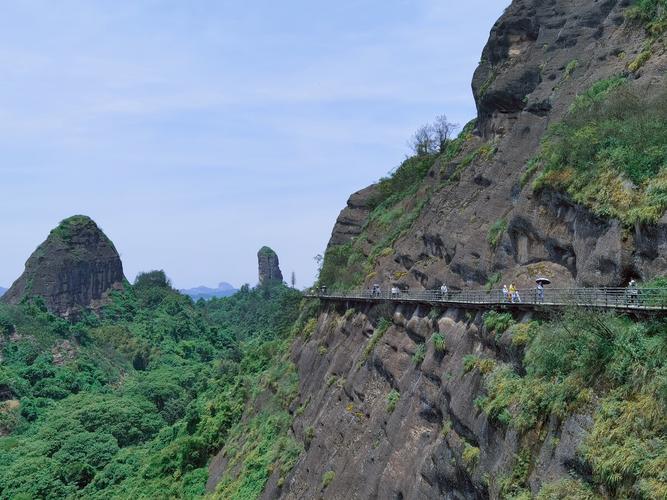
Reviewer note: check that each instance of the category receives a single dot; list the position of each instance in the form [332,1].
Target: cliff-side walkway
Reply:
[624,299]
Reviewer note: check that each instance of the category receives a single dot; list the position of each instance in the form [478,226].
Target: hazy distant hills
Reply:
[2,290]
[204,292]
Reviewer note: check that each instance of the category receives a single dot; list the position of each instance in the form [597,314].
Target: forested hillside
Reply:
[133,403]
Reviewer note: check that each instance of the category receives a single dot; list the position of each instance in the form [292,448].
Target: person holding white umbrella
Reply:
[539,289]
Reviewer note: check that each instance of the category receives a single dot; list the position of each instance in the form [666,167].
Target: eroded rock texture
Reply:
[352,218]
[417,450]
[73,270]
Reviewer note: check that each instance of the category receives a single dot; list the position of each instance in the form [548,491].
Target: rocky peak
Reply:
[351,220]
[73,270]
[529,62]
[269,266]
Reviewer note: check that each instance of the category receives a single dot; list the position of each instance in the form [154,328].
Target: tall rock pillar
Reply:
[269,267]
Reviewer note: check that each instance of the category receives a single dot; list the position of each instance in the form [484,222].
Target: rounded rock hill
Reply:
[73,270]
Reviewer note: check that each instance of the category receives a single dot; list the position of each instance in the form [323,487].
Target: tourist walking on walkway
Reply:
[444,292]
[539,289]
[633,292]
[506,293]
[514,294]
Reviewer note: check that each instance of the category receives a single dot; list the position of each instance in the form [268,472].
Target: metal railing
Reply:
[610,298]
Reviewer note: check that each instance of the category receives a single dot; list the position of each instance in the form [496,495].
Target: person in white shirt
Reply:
[443,292]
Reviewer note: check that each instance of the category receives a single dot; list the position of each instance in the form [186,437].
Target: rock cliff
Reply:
[269,266]
[400,420]
[73,270]
[391,399]
[539,57]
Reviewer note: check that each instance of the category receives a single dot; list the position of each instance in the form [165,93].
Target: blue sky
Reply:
[196,132]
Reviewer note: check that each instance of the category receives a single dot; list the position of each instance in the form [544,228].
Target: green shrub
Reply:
[484,152]
[470,455]
[567,489]
[639,61]
[493,280]
[327,478]
[343,267]
[651,13]
[438,342]
[515,485]
[469,362]
[569,69]
[498,322]
[531,169]
[472,361]
[309,327]
[496,232]
[419,355]
[308,436]
[523,333]
[392,400]
[446,428]
[380,329]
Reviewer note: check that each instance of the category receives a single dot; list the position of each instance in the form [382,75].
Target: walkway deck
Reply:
[642,300]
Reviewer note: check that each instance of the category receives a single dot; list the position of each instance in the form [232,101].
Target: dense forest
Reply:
[133,403]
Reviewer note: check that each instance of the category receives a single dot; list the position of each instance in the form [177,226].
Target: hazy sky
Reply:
[194,132]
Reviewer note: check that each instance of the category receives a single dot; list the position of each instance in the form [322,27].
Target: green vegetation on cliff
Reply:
[134,404]
[394,209]
[651,13]
[609,153]
[603,364]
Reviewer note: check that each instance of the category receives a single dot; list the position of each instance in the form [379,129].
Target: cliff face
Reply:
[400,420]
[72,270]
[540,55]
[390,399]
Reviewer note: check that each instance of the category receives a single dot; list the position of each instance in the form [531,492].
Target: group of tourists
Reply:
[630,295]
[511,294]
[376,291]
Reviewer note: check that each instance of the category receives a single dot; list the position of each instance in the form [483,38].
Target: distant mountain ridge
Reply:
[224,289]
[2,290]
